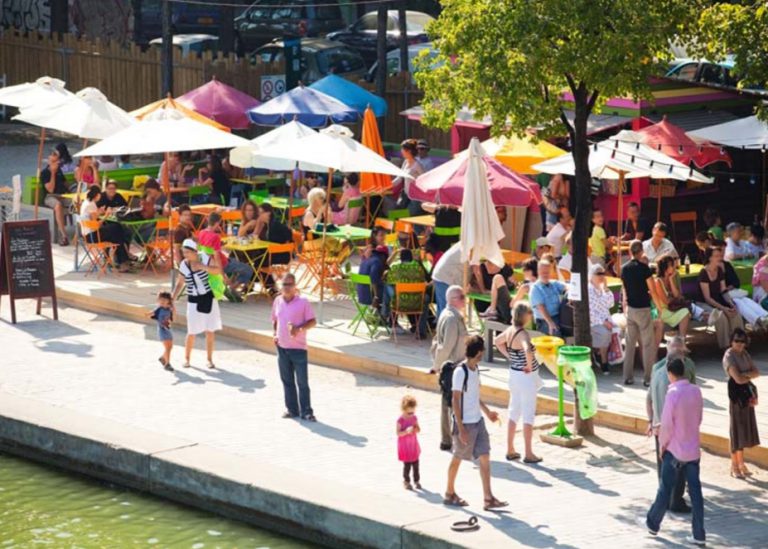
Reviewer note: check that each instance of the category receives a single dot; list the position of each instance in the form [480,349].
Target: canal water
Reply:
[41,506]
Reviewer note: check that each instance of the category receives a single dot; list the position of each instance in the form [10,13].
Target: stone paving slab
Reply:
[107,368]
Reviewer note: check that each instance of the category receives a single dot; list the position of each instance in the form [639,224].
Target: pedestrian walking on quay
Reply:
[470,437]
[203,314]
[408,449]
[292,316]
[742,396]
[163,315]
[681,451]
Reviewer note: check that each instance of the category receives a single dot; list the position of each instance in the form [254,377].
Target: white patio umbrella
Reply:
[43,92]
[335,150]
[622,157]
[163,130]
[87,114]
[480,226]
[250,156]
[746,133]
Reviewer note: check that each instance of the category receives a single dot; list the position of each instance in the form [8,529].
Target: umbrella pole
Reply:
[326,217]
[658,202]
[620,215]
[39,169]
[166,181]
[291,186]
[765,202]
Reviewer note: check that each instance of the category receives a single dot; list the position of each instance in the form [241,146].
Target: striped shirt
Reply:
[196,281]
[517,357]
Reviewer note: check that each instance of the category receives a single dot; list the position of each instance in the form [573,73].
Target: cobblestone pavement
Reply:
[575,498]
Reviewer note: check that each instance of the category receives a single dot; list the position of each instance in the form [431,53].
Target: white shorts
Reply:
[522,395]
[197,322]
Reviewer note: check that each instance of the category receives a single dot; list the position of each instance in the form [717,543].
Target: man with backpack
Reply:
[470,437]
[448,347]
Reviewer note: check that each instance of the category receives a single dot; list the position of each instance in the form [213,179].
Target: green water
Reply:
[40,506]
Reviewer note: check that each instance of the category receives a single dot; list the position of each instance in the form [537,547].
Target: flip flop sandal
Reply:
[470,525]
[494,503]
[513,457]
[531,461]
[454,501]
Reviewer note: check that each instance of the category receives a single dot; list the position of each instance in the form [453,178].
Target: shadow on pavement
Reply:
[183,377]
[46,328]
[506,471]
[242,383]
[334,433]
[82,350]
[579,479]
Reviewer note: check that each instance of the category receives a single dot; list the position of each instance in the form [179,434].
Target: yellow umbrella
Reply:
[169,103]
[520,154]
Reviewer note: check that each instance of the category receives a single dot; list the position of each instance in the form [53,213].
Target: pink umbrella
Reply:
[445,184]
[221,103]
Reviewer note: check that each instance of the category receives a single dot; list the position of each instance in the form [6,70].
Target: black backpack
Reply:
[446,380]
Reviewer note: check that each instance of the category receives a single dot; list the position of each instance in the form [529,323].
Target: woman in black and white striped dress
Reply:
[203,314]
[524,382]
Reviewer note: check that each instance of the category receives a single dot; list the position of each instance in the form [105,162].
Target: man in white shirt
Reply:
[449,271]
[422,146]
[556,235]
[735,247]
[470,437]
[658,245]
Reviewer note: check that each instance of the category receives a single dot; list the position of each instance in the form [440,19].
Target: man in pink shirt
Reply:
[680,450]
[292,316]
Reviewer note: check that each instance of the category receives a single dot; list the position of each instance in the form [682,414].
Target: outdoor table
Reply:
[135,227]
[427,220]
[348,232]
[247,249]
[79,197]
[282,202]
[203,211]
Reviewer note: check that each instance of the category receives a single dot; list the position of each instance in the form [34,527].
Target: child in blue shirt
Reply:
[163,315]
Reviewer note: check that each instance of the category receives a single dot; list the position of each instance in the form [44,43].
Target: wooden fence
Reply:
[131,78]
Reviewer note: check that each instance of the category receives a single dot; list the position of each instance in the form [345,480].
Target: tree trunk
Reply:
[381,49]
[403,42]
[580,235]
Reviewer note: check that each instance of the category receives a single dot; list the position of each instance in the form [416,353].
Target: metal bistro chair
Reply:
[686,236]
[366,314]
[159,249]
[99,253]
[276,271]
[413,304]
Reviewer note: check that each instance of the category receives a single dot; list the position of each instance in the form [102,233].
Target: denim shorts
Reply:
[164,334]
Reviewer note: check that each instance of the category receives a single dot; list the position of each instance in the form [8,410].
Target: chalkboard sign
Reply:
[26,264]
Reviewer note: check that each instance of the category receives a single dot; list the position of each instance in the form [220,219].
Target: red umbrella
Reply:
[221,103]
[672,141]
[446,184]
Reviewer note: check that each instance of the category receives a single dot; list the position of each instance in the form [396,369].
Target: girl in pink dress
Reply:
[408,449]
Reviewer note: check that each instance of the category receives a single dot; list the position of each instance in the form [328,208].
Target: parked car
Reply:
[362,34]
[319,58]
[393,60]
[707,72]
[186,18]
[191,43]
[265,21]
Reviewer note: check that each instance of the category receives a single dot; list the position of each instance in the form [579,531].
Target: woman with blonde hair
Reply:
[524,382]
[315,212]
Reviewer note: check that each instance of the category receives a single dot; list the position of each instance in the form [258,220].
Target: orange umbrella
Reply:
[373,183]
[169,103]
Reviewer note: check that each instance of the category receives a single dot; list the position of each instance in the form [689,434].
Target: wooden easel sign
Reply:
[26,264]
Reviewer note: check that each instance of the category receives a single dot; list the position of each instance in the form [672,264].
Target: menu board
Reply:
[26,264]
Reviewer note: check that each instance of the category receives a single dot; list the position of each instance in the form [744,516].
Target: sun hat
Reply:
[189,244]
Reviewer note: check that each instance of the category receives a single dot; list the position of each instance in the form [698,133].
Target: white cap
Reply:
[542,241]
[189,244]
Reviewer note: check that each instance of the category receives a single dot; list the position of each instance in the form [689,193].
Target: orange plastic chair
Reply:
[294,214]
[99,253]
[403,227]
[159,247]
[412,309]
[275,271]
[386,224]
[231,217]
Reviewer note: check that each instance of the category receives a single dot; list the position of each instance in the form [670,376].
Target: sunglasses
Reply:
[288,284]
[739,340]
[599,274]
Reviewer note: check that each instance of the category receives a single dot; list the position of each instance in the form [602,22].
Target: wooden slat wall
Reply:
[131,78]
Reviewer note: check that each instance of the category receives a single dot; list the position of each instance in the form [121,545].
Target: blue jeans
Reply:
[241,272]
[441,288]
[293,372]
[543,327]
[670,468]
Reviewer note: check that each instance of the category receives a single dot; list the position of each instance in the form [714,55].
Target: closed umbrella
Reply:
[373,183]
[310,107]
[480,226]
[521,153]
[220,102]
[170,103]
[43,92]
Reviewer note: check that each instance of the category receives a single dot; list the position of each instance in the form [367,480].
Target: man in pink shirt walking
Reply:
[292,316]
[680,450]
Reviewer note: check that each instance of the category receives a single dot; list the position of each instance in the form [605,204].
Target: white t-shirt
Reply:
[87,209]
[733,249]
[556,237]
[472,412]
[449,269]
[665,248]
[196,281]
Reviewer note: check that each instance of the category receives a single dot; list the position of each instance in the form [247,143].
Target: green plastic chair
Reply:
[197,190]
[366,314]
[354,203]
[258,196]
[394,215]
[448,231]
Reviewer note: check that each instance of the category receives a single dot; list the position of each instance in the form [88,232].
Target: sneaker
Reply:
[642,522]
[693,541]
[445,447]
[629,381]
[310,417]
[488,315]
[407,485]
[605,369]
[289,415]
[646,384]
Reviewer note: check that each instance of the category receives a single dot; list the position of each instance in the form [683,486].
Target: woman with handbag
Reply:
[676,311]
[203,314]
[742,396]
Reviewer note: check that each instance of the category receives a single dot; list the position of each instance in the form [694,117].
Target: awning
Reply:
[693,120]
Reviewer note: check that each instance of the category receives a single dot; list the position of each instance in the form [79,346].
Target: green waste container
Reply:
[577,361]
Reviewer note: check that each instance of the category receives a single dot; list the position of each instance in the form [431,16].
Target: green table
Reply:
[348,232]
[135,227]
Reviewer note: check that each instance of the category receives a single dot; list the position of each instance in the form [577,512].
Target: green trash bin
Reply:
[577,364]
